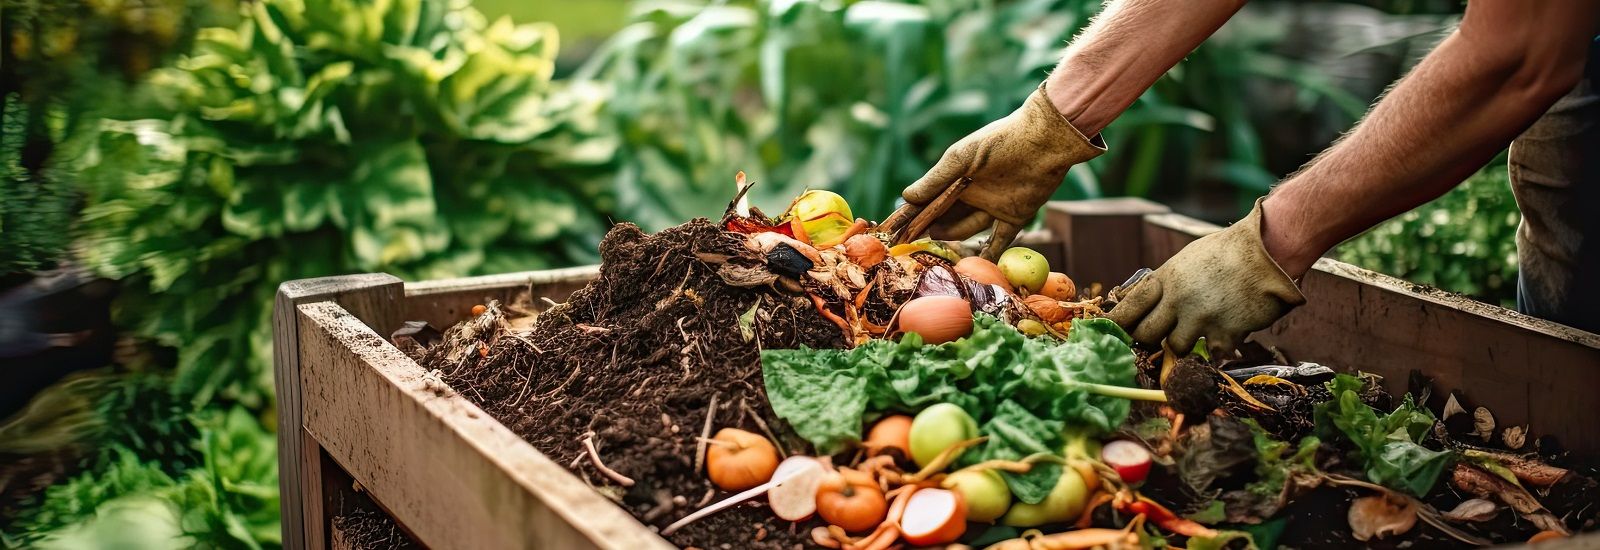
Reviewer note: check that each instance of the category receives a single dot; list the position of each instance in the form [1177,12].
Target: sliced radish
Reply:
[794,498]
[934,516]
[796,475]
[1130,460]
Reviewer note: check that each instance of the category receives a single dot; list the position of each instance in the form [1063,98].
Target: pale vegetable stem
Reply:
[1135,394]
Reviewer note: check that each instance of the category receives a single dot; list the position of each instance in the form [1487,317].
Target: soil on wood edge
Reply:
[634,362]
[359,524]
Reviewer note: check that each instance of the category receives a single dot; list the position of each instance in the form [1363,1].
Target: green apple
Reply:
[1064,503]
[985,492]
[937,428]
[1025,267]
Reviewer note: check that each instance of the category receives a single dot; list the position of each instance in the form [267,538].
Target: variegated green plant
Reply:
[323,137]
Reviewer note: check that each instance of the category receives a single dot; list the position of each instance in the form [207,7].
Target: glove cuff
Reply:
[1071,144]
[1274,280]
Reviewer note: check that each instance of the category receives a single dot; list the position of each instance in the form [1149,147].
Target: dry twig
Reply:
[705,434]
[764,429]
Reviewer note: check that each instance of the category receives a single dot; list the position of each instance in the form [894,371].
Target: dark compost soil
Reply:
[671,331]
[637,359]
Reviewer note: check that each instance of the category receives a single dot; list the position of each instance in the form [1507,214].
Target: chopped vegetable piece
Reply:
[794,497]
[934,516]
[1131,460]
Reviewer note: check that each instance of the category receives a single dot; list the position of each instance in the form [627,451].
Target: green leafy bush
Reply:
[319,138]
[313,138]
[1464,241]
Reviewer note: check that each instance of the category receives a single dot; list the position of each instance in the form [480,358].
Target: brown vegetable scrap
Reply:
[1378,516]
[1477,481]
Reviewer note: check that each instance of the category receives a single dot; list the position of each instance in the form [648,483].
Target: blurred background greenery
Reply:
[171,161]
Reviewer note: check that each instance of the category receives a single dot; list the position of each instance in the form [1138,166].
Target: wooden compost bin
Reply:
[354,410]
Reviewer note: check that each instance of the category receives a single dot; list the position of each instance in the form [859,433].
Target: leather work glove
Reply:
[1222,286]
[1014,165]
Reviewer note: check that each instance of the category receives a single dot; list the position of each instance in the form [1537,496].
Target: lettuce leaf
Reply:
[1387,445]
[1024,392]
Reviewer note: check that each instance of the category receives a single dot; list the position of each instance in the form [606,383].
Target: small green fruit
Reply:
[937,428]
[1064,503]
[986,494]
[1026,268]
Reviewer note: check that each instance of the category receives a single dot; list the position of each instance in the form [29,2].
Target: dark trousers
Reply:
[1555,174]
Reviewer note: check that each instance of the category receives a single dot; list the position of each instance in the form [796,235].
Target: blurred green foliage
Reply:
[863,96]
[318,138]
[314,138]
[229,500]
[60,61]
[1464,241]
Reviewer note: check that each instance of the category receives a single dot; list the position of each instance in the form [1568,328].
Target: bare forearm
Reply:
[1127,48]
[1462,104]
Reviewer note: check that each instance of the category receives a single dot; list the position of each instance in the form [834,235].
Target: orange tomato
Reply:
[851,500]
[738,460]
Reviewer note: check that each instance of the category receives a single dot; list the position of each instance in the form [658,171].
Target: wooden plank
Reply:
[1101,238]
[444,468]
[374,298]
[446,302]
[1528,371]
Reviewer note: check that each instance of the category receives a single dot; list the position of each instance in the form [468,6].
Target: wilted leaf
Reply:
[1379,516]
[1473,510]
[1514,437]
[1482,423]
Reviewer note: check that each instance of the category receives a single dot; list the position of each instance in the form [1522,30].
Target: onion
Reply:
[937,319]
[983,271]
[865,250]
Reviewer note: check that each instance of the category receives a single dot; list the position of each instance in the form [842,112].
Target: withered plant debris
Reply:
[637,357]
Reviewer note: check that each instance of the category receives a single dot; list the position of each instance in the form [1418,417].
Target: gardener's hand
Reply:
[1223,287]
[1014,164]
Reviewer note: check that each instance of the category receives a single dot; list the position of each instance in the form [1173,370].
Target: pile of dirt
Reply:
[672,328]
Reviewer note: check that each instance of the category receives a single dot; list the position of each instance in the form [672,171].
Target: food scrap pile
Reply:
[811,380]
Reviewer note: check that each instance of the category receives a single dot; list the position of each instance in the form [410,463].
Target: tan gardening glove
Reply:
[1014,164]
[1223,287]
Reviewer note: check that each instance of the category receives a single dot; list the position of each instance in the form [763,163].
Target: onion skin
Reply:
[937,319]
[983,271]
[1046,308]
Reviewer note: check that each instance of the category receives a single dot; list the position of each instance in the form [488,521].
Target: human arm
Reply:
[1490,79]
[1482,86]
[1017,162]
[1125,50]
